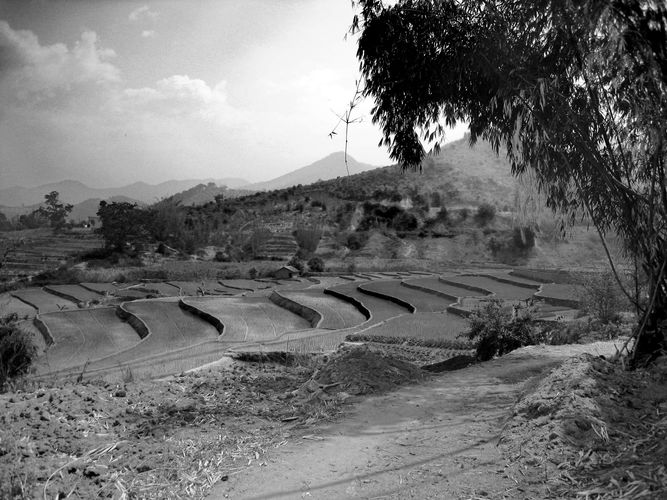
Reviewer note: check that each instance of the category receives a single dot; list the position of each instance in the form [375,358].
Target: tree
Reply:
[316,264]
[575,92]
[55,211]
[122,224]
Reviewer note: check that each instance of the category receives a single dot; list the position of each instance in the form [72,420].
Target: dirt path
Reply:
[431,440]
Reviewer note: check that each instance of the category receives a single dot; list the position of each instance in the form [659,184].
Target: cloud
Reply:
[31,71]
[148,34]
[142,13]
[181,96]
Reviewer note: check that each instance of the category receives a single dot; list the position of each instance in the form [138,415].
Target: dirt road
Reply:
[431,440]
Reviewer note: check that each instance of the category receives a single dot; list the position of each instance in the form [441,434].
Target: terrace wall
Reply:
[209,318]
[44,330]
[133,320]
[308,313]
[390,298]
[360,307]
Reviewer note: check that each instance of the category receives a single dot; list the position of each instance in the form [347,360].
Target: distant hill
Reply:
[205,193]
[477,173]
[76,192]
[89,208]
[329,167]
[460,174]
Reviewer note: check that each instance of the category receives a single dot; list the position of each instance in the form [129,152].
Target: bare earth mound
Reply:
[359,370]
[591,430]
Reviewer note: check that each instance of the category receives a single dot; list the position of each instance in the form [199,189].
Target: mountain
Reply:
[477,173]
[330,167]
[75,192]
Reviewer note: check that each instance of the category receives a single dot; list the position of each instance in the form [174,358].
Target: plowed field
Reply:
[85,334]
[335,313]
[249,319]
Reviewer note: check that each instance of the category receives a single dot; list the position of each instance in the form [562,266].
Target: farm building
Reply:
[286,272]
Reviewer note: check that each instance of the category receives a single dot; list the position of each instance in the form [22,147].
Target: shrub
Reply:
[357,240]
[296,263]
[16,350]
[499,329]
[485,214]
[252,273]
[316,264]
[405,221]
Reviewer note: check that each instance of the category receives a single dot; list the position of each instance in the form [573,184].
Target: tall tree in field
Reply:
[122,224]
[54,210]
[574,91]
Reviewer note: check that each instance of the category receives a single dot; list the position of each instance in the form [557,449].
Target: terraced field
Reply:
[380,309]
[85,334]
[503,291]
[102,288]
[43,301]
[9,304]
[439,287]
[424,302]
[210,287]
[249,285]
[171,329]
[162,289]
[336,313]
[183,332]
[561,294]
[427,325]
[249,319]
[76,293]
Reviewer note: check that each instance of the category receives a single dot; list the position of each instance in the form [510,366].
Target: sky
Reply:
[118,91]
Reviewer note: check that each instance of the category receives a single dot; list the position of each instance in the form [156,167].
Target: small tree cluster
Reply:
[499,329]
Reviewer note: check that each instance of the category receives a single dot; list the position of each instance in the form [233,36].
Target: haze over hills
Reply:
[75,192]
[329,167]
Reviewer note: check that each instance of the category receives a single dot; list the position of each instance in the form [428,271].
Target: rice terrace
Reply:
[204,295]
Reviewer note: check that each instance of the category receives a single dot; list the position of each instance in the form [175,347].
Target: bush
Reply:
[296,263]
[485,214]
[357,240]
[17,351]
[405,221]
[316,264]
[602,297]
[499,329]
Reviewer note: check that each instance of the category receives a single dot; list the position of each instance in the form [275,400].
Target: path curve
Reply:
[432,440]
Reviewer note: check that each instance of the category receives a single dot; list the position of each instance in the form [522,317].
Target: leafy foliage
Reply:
[122,224]
[16,350]
[485,214]
[499,329]
[54,211]
[316,264]
[574,91]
